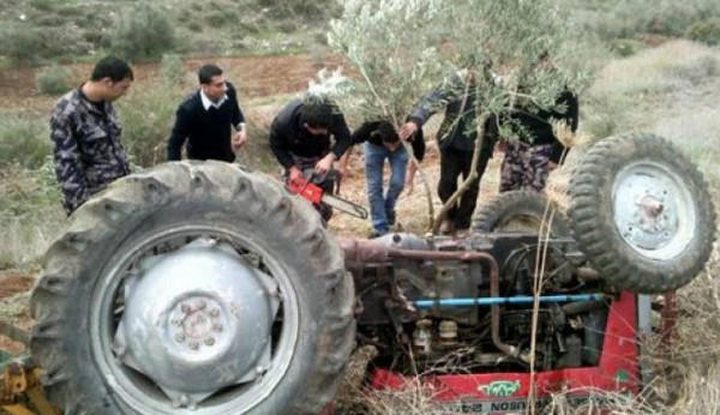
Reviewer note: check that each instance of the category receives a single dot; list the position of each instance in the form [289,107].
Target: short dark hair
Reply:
[112,67]
[207,72]
[386,132]
[317,114]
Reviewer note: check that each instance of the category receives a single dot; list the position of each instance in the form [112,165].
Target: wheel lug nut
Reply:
[194,345]
[210,341]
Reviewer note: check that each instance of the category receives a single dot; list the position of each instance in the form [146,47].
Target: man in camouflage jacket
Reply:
[86,132]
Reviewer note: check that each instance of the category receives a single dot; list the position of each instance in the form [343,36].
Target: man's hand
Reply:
[295,173]
[407,130]
[238,140]
[325,164]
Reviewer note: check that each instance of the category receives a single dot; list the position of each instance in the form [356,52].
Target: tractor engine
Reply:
[449,306]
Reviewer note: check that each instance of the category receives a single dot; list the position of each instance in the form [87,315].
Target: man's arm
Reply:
[237,119]
[68,165]
[279,144]
[429,104]
[343,141]
[363,133]
[341,132]
[179,134]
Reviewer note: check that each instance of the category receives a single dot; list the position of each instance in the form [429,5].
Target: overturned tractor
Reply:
[206,289]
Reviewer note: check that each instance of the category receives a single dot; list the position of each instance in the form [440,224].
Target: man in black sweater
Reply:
[307,137]
[205,119]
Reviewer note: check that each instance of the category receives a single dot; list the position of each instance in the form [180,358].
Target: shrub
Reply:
[53,80]
[23,140]
[31,215]
[43,5]
[22,44]
[706,31]
[147,116]
[173,69]
[144,33]
[222,18]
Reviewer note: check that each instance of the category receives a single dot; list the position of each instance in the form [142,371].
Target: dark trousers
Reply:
[453,164]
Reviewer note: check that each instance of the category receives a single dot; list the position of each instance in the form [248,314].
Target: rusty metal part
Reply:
[369,251]
[21,390]
[668,316]
[508,349]
[587,274]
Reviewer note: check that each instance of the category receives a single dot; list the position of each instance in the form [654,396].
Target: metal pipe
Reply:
[364,251]
[495,313]
[489,301]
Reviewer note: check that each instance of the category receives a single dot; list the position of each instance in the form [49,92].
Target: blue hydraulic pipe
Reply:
[520,299]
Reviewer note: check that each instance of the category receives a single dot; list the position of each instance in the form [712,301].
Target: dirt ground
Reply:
[13,285]
[255,76]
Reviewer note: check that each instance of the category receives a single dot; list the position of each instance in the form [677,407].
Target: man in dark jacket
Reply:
[456,138]
[306,138]
[86,132]
[205,119]
[382,142]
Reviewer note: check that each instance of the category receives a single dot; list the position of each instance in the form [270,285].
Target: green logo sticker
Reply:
[500,388]
[622,376]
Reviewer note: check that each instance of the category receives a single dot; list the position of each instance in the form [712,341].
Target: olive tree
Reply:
[401,49]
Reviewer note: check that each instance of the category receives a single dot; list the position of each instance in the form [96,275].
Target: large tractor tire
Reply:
[520,211]
[642,214]
[193,288]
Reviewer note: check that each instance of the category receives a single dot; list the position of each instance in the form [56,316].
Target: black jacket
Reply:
[533,124]
[457,131]
[289,137]
[364,133]
[207,132]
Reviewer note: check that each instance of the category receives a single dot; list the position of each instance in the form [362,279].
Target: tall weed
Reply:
[147,116]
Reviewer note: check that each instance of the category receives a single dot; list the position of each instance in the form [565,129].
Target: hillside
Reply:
[42,31]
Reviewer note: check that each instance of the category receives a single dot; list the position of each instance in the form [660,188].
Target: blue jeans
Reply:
[382,206]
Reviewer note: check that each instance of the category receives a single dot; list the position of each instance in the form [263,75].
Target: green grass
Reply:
[671,90]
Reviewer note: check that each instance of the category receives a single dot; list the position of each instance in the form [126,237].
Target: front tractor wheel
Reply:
[642,214]
[193,288]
